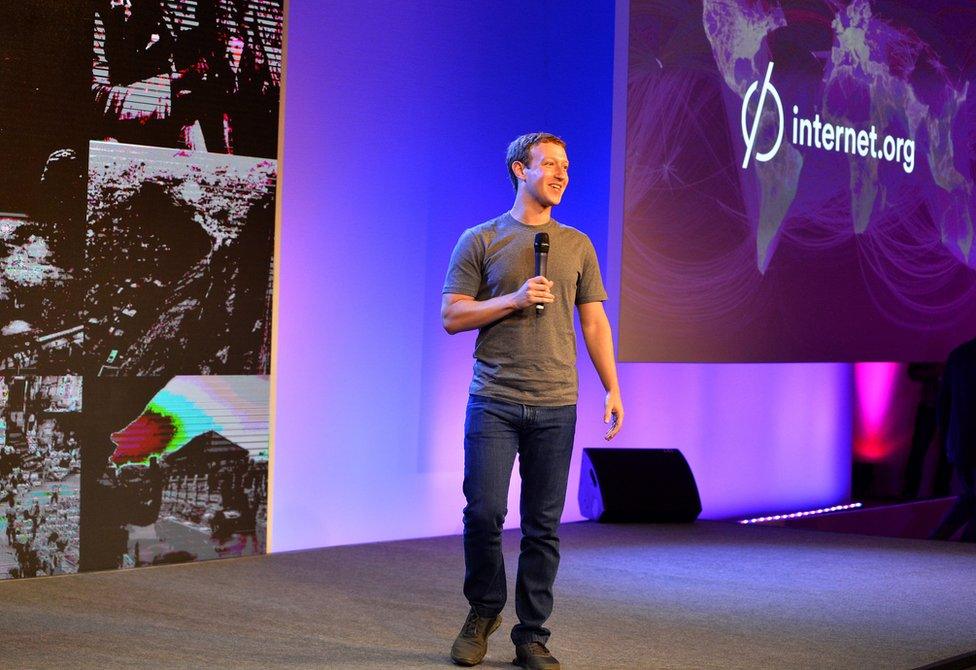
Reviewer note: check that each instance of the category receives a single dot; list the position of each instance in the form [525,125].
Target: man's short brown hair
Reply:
[520,147]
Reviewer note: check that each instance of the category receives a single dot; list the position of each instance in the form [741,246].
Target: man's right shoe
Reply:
[471,644]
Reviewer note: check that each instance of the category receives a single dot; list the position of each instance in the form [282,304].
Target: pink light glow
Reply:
[874,387]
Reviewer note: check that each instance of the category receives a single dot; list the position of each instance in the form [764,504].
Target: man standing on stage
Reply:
[523,391]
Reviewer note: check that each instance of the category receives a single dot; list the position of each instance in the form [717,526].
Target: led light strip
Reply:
[797,515]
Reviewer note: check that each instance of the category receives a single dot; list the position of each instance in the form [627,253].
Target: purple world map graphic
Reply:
[799,181]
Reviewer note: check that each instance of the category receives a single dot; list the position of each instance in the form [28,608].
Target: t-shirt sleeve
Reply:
[464,274]
[589,286]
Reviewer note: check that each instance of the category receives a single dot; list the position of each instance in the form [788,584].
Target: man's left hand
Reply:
[613,413]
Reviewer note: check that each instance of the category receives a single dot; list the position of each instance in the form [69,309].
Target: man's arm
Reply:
[461,312]
[599,344]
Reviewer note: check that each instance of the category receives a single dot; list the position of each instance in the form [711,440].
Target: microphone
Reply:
[541,259]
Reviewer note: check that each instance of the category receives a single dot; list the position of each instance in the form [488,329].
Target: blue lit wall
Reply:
[396,122]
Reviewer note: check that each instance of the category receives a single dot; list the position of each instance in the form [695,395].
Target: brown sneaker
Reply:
[535,656]
[471,644]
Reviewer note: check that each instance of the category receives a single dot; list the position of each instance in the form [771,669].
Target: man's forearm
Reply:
[461,312]
[599,345]
[463,315]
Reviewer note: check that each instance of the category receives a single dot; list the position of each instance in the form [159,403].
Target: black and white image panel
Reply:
[45,123]
[195,74]
[180,251]
[39,475]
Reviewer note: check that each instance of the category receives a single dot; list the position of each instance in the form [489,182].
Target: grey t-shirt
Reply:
[526,357]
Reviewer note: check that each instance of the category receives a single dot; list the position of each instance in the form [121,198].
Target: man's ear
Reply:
[519,169]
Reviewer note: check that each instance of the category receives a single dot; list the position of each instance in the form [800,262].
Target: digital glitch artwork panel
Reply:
[138,184]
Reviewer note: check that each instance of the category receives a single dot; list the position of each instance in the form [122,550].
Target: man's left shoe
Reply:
[535,656]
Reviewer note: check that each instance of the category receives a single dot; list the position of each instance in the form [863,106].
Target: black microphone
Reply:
[541,259]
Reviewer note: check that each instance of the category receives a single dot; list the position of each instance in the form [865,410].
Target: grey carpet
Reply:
[710,595]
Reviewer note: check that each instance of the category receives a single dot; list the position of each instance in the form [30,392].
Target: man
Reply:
[131,70]
[957,431]
[523,391]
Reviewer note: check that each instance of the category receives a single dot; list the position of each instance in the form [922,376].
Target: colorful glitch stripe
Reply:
[233,406]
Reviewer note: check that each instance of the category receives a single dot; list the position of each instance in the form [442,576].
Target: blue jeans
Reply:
[494,432]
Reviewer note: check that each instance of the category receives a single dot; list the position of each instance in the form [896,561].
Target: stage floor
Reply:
[708,595]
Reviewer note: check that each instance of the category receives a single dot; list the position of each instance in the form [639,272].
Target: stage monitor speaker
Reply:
[654,485]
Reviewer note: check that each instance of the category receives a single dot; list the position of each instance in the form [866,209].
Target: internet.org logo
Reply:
[750,135]
[817,134]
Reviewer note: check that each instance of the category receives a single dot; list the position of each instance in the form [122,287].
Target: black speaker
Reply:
[653,485]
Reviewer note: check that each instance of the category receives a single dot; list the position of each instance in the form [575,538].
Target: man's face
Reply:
[547,174]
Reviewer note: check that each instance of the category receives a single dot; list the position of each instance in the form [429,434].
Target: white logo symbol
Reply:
[750,135]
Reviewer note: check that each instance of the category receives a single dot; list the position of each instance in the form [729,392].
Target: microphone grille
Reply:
[542,242]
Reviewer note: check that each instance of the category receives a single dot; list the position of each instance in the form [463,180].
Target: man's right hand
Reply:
[461,312]
[535,291]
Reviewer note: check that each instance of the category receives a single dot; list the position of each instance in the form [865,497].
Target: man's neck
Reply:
[530,212]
